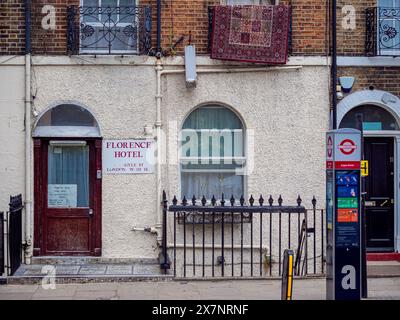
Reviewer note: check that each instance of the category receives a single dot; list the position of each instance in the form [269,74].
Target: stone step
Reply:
[60,260]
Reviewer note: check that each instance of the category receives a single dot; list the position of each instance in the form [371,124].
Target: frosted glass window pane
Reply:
[67,115]
[68,176]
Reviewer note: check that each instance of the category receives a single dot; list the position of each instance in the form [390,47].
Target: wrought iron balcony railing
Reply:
[382,31]
[109,30]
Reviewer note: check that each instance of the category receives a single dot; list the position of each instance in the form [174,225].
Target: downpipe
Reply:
[28,142]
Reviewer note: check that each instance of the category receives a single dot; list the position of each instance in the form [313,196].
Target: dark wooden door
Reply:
[68,197]
[379,188]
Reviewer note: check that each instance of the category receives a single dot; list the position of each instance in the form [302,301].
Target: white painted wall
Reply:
[288,111]
[12,106]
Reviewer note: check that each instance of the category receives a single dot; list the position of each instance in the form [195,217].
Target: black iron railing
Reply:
[382,31]
[11,236]
[235,239]
[109,30]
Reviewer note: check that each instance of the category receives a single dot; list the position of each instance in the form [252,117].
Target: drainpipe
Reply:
[158,125]
[334,65]
[28,180]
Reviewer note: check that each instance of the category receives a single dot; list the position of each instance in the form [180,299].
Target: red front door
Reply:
[67,197]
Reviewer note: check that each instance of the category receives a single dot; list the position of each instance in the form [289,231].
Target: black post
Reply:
[159,29]
[165,264]
[364,282]
[27,26]
[334,65]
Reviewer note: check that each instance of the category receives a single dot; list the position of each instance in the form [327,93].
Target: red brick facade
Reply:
[352,42]
[179,18]
[12,27]
[381,78]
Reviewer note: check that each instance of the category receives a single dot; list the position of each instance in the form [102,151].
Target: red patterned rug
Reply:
[251,33]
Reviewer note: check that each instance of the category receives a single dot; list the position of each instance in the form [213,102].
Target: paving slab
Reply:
[93,269]
[119,269]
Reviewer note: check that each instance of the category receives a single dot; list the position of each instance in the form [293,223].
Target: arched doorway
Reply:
[377,113]
[67,182]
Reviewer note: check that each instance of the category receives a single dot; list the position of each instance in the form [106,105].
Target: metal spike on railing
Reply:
[314,201]
[213,200]
[251,200]
[164,196]
[175,201]
[261,200]
[270,200]
[242,200]
[222,200]
[184,201]
[203,200]
[194,200]
[232,201]
[299,201]
[280,200]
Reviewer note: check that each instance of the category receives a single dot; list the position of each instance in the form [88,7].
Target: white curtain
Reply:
[70,166]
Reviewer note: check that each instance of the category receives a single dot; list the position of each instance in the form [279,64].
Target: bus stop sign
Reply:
[343,206]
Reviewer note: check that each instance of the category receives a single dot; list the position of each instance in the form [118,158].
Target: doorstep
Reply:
[383,256]
[87,269]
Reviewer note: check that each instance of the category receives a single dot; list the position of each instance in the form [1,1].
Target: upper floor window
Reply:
[383,28]
[109,26]
[212,157]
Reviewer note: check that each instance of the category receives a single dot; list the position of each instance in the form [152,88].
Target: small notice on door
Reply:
[62,195]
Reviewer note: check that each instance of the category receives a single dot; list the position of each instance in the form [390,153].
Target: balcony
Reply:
[382,31]
[109,30]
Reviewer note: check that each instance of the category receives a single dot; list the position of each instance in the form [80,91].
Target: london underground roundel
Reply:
[347,146]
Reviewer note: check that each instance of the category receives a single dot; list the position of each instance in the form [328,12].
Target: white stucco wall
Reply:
[288,111]
[12,109]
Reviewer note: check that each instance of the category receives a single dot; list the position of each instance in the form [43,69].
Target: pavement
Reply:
[303,289]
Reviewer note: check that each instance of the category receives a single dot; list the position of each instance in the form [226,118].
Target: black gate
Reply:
[15,233]
[1,243]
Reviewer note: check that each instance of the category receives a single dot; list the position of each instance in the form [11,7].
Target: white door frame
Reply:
[391,103]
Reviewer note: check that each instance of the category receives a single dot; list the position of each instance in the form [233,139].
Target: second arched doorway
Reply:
[379,122]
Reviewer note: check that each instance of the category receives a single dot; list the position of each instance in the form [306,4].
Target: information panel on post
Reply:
[343,214]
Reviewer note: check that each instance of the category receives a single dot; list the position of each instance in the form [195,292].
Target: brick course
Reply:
[382,78]
[12,27]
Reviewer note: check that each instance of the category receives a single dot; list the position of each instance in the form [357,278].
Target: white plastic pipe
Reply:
[28,160]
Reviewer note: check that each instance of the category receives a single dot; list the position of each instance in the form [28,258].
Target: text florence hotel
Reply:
[117,117]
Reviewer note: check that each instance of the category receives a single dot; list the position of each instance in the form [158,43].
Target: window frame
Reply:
[243,160]
[95,25]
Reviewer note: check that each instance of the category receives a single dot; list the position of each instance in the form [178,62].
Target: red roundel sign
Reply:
[347,147]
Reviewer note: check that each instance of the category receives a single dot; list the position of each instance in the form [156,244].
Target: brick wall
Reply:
[184,16]
[382,78]
[352,42]
[12,27]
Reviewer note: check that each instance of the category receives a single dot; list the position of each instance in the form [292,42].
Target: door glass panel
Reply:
[68,176]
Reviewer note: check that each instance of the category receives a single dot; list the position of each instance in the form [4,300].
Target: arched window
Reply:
[372,117]
[212,156]
[67,120]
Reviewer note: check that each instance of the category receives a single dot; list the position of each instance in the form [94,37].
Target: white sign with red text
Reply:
[128,156]
[343,149]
